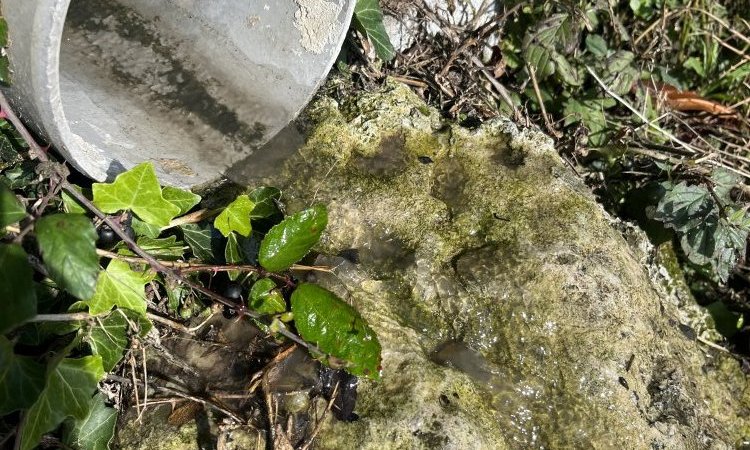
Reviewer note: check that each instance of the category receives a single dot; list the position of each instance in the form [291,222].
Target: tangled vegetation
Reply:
[87,272]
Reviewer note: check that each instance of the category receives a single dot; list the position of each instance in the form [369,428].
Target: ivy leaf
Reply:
[11,210]
[108,339]
[265,199]
[142,228]
[168,248]
[67,394]
[233,255]
[290,240]
[21,379]
[368,18]
[185,200]
[203,241]
[264,298]
[68,246]
[17,292]
[337,329]
[96,430]
[119,286]
[137,190]
[236,217]
[72,205]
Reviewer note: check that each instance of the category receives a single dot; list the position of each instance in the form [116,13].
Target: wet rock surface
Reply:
[512,313]
[511,310]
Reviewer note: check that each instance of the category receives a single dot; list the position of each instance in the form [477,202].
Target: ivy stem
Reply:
[64,317]
[155,264]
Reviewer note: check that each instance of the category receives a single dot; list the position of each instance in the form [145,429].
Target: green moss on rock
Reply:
[493,244]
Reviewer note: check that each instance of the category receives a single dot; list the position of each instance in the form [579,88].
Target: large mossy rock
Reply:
[511,311]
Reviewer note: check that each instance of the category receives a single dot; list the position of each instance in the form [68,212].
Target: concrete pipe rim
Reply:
[44,98]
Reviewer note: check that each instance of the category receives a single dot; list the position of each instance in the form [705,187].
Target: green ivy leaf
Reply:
[21,379]
[67,393]
[236,217]
[142,228]
[108,339]
[266,202]
[202,240]
[168,248]
[337,329]
[68,246]
[136,190]
[368,18]
[233,255]
[185,200]
[71,205]
[96,430]
[11,210]
[264,298]
[290,240]
[17,292]
[119,286]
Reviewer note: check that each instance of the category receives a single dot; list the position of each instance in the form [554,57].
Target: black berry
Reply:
[107,237]
[233,291]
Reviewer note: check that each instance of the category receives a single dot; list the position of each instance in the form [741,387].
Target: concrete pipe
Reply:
[191,85]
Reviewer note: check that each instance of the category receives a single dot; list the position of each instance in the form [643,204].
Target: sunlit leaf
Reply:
[168,248]
[684,206]
[265,298]
[290,240]
[108,338]
[67,393]
[185,200]
[119,286]
[368,18]
[236,217]
[21,379]
[142,228]
[11,210]
[337,329]
[68,246]
[72,205]
[136,190]
[233,255]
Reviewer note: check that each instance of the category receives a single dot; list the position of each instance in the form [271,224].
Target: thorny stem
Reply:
[155,264]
